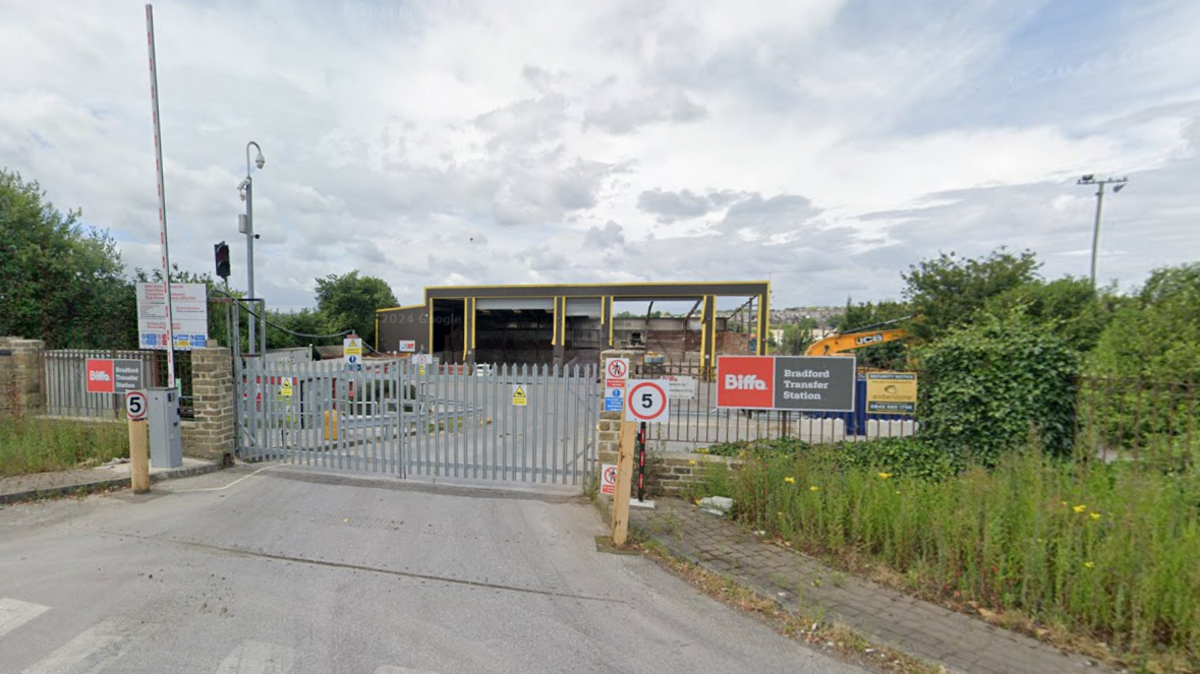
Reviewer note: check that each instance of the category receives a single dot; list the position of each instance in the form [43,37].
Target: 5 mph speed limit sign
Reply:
[135,405]
[648,400]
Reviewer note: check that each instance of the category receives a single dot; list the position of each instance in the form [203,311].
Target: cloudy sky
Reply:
[826,145]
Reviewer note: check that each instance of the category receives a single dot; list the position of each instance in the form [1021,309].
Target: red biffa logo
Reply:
[100,378]
[746,382]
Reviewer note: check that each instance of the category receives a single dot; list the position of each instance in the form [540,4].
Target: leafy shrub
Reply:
[1148,363]
[912,456]
[994,384]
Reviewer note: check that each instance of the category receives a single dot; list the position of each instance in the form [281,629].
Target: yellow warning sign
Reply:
[285,388]
[892,393]
[519,397]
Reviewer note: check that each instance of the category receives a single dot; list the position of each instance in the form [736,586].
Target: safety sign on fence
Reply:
[648,400]
[892,393]
[608,478]
[616,372]
[614,399]
[352,352]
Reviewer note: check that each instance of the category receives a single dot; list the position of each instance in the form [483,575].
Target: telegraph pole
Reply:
[1118,184]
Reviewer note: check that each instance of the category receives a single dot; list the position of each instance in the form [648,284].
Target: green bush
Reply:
[992,385]
[1146,366]
[912,456]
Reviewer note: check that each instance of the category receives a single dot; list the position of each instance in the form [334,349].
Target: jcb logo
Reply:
[868,339]
[744,382]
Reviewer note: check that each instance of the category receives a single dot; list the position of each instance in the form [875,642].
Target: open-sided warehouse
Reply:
[569,323]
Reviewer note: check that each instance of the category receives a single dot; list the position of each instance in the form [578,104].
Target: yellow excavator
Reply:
[840,342]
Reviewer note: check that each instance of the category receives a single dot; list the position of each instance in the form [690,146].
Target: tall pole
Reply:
[1117,183]
[250,242]
[162,199]
[1096,231]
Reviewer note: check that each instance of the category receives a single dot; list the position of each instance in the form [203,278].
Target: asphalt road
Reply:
[291,571]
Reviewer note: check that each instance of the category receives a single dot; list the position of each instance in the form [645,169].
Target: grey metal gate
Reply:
[528,424]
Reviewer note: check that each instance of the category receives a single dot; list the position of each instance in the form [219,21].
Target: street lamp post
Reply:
[1118,184]
[247,188]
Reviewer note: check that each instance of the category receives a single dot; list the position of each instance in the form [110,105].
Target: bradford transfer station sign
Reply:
[806,383]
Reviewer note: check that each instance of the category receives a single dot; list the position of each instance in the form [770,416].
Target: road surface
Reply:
[284,570]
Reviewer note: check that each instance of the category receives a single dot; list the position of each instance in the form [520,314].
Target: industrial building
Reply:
[572,323]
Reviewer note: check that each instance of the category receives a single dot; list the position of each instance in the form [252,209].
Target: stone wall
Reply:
[22,376]
[211,434]
[678,470]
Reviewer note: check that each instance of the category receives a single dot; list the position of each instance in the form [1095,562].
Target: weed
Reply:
[1107,551]
[35,445]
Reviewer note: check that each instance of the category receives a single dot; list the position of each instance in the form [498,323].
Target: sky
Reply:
[825,146]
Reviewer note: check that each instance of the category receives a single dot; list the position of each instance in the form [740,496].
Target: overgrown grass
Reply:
[1109,551]
[36,445]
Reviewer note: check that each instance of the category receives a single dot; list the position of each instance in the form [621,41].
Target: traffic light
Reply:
[222,253]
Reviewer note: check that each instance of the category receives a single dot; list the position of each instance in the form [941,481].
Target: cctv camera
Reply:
[259,162]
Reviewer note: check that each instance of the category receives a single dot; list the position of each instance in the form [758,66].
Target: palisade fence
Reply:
[1133,418]
[66,384]
[698,422]
[1113,418]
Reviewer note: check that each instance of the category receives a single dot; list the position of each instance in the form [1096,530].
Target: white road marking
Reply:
[389,669]
[94,649]
[14,613]
[256,657]
[244,477]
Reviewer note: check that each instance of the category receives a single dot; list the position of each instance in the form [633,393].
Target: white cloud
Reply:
[825,144]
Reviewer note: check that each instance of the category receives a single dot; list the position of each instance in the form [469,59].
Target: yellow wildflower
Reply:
[1062,503]
[814,488]
[691,462]
[790,480]
[1089,565]
[1094,516]
[885,475]
[1079,508]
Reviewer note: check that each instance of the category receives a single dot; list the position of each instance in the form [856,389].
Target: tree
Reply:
[63,282]
[798,336]
[349,302]
[1148,361]
[1070,307]
[893,355]
[305,321]
[1155,336]
[949,291]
